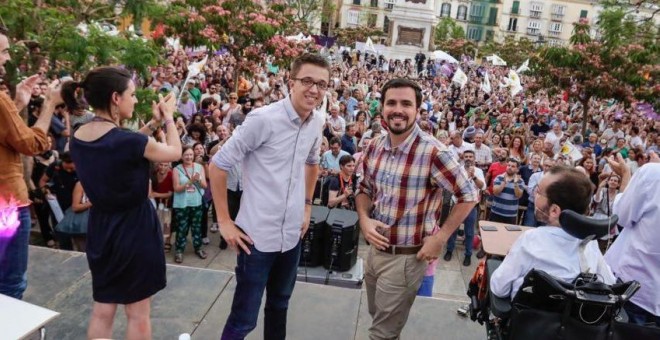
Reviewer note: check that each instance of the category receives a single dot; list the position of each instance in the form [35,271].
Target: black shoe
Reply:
[223,243]
[467,261]
[447,256]
[481,253]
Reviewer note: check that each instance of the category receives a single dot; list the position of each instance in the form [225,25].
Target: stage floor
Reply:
[198,300]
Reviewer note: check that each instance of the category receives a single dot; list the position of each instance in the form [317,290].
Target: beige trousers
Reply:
[392,284]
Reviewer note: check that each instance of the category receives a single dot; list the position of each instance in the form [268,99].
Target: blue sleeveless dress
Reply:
[124,238]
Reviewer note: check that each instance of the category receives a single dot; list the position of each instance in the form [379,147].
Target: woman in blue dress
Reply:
[124,238]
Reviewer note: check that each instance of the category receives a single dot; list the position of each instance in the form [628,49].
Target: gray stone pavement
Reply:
[198,298]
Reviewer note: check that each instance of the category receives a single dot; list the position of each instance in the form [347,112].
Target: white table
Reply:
[19,319]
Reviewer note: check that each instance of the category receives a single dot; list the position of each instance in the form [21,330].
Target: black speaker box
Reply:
[312,249]
[341,240]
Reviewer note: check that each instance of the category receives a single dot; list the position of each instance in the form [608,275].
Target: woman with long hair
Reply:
[589,165]
[124,239]
[517,149]
[361,124]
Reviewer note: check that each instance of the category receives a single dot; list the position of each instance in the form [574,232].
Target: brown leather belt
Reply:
[401,250]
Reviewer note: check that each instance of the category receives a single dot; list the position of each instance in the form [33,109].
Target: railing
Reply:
[557,16]
[533,31]
[535,14]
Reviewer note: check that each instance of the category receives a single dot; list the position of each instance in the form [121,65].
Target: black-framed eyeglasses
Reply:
[309,82]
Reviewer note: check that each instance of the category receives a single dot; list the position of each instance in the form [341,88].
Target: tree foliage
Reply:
[448,29]
[618,66]
[349,35]
[513,51]
[243,27]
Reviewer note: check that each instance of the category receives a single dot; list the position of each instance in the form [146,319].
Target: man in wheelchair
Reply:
[550,248]
[554,283]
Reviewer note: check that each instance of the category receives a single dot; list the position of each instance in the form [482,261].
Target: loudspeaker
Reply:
[311,252]
[341,240]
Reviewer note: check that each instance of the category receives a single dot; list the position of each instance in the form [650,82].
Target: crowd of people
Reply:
[500,146]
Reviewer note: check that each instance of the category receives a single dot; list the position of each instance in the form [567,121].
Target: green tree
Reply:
[448,29]
[619,66]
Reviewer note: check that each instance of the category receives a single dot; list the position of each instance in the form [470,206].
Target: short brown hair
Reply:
[571,190]
[309,58]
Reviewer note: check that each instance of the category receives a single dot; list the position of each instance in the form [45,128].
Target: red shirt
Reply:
[495,170]
[167,185]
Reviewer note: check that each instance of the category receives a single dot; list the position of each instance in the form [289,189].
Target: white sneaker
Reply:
[206,240]
[214,228]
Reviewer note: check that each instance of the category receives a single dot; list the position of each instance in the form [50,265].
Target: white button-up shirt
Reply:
[550,249]
[273,146]
[635,255]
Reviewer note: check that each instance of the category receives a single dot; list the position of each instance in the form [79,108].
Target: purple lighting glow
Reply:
[9,221]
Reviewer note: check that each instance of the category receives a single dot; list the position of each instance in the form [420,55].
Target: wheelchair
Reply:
[546,308]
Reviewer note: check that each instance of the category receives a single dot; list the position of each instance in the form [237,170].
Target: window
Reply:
[474,33]
[445,10]
[555,28]
[356,2]
[533,27]
[535,9]
[389,4]
[353,17]
[513,25]
[583,14]
[462,12]
[515,9]
[374,3]
[372,19]
[492,16]
[476,13]
[386,25]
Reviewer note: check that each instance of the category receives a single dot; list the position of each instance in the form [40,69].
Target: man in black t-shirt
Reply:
[60,178]
[540,126]
[341,188]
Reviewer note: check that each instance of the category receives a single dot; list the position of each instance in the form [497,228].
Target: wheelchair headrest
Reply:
[580,226]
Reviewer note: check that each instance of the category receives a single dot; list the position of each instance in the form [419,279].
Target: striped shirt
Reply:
[405,184]
[506,203]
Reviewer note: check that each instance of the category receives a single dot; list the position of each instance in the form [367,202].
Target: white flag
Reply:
[460,77]
[370,45]
[514,82]
[196,67]
[485,86]
[496,60]
[524,67]
[568,149]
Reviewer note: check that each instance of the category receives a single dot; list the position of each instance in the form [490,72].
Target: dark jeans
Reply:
[14,257]
[529,219]
[640,316]
[468,225]
[502,219]
[42,210]
[276,273]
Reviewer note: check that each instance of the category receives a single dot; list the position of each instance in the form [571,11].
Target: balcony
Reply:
[535,14]
[533,31]
[557,16]
[476,19]
[554,33]
[492,22]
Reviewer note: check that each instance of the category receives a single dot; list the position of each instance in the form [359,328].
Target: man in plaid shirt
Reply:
[399,203]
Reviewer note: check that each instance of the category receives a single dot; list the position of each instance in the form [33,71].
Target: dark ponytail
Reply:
[69,94]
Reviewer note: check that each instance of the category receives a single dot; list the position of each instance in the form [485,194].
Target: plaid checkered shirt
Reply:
[405,184]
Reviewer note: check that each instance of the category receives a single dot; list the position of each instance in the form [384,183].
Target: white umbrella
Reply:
[442,55]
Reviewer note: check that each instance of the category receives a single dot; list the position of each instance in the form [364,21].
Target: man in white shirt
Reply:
[482,153]
[458,146]
[613,134]
[476,176]
[555,137]
[550,248]
[336,123]
[635,255]
[530,218]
